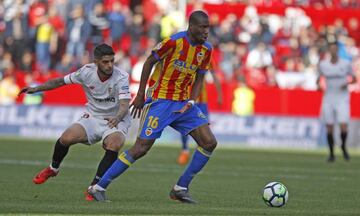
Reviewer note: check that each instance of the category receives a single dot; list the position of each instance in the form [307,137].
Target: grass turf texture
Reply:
[231,184]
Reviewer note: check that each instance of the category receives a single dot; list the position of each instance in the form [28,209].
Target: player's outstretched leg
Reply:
[60,152]
[184,155]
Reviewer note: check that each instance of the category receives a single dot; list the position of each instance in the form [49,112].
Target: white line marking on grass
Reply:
[156,168]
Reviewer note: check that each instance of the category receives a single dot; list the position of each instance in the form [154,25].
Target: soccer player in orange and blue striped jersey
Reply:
[181,62]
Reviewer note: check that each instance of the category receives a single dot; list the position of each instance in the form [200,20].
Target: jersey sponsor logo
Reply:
[125,88]
[148,131]
[199,56]
[183,66]
[106,100]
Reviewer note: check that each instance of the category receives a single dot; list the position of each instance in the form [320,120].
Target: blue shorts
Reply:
[158,114]
[204,108]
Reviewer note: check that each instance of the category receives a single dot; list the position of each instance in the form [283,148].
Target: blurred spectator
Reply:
[57,22]
[229,61]
[99,23]
[27,62]
[136,31]
[46,43]
[8,87]
[16,35]
[117,22]
[78,30]
[244,97]
[260,57]
[66,64]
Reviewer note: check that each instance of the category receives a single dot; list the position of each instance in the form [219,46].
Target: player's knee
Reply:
[66,140]
[210,144]
[113,146]
[139,151]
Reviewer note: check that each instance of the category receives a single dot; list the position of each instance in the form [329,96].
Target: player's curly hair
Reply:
[103,50]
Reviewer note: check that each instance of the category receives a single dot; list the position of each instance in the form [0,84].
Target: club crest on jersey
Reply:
[199,56]
[148,131]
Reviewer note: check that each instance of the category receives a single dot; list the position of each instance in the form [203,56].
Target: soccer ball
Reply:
[275,194]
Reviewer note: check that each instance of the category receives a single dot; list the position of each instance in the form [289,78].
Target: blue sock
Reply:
[116,169]
[198,161]
[184,141]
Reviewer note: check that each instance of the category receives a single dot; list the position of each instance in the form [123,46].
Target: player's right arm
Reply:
[139,100]
[48,85]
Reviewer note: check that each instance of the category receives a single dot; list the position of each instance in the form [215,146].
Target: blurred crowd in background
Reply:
[42,39]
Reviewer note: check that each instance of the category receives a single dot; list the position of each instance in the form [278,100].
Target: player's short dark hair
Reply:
[103,50]
[196,15]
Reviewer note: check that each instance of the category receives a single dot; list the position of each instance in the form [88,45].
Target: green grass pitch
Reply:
[231,183]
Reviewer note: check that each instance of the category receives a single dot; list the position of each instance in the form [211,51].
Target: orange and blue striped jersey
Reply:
[203,97]
[178,62]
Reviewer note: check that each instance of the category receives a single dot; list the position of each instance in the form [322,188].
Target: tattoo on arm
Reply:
[51,84]
[123,108]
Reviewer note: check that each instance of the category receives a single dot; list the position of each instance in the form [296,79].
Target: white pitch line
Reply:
[155,168]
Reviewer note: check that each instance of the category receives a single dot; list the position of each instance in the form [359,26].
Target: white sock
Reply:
[177,188]
[99,188]
[54,169]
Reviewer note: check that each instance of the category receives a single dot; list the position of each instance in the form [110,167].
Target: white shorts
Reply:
[332,113]
[97,128]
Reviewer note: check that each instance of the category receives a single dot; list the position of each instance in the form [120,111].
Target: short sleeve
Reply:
[163,48]
[75,77]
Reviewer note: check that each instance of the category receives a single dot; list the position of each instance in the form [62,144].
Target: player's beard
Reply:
[105,73]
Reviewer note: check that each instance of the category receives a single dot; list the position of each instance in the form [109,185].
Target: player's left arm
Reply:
[123,111]
[48,85]
[218,87]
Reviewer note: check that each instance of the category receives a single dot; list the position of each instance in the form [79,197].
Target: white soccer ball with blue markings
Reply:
[275,194]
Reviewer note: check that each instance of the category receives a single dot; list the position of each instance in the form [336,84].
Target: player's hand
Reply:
[112,122]
[185,108]
[137,105]
[27,90]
